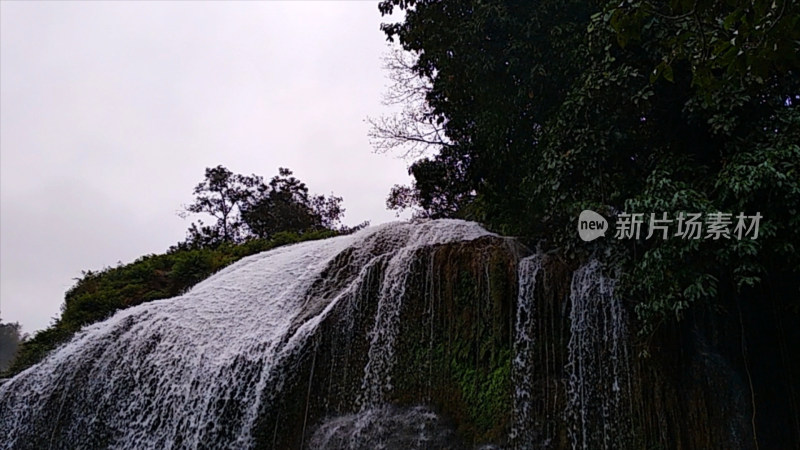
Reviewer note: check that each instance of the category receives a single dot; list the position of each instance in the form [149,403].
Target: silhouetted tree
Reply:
[220,195]
[246,207]
[285,205]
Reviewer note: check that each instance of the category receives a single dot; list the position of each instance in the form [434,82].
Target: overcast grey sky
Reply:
[111,111]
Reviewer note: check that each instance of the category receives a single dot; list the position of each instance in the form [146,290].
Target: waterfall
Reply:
[377,379]
[523,434]
[598,363]
[195,370]
[430,334]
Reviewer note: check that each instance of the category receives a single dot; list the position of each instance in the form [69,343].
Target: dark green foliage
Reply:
[285,205]
[440,187]
[553,107]
[480,359]
[193,266]
[98,295]
[486,394]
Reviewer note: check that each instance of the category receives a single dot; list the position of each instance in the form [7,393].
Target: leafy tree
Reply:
[284,204]
[440,187]
[246,208]
[219,195]
[552,107]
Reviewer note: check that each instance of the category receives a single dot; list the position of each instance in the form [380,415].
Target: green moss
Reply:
[486,393]
[470,358]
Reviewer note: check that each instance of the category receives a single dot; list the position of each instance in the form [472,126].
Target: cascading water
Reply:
[194,371]
[523,434]
[377,379]
[433,334]
[598,363]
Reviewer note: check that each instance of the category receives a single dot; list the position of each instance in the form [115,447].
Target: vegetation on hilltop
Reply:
[246,207]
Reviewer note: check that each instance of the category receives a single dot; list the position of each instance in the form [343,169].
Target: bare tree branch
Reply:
[415,130]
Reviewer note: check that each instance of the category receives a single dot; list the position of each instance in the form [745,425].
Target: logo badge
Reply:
[591,225]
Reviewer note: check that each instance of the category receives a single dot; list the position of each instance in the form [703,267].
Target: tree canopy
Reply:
[284,204]
[245,207]
[552,107]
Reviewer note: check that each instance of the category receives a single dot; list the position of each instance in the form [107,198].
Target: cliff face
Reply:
[521,351]
[449,347]
[431,335]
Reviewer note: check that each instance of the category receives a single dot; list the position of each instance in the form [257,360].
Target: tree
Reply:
[494,68]
[220,195]
[245,207]
[440,187]
[284,204]
[552,107]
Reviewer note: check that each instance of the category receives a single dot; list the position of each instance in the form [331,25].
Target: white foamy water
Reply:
[598,363]
[377,381]
[193,371]
[522,432]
